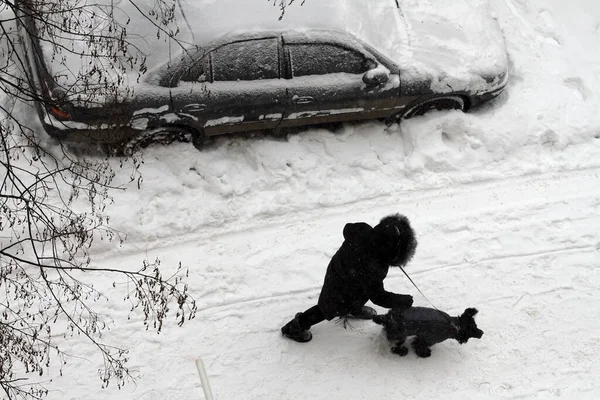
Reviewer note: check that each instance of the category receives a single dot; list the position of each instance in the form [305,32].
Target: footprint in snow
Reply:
[579,86]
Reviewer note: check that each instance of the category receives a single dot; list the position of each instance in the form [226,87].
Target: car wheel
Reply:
[439,103]
[163,135]
[199,139]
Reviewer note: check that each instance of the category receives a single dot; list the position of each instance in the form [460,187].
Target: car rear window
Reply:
[246,61]
[321,59]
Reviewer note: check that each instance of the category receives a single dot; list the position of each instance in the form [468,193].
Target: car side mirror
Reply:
[376,76]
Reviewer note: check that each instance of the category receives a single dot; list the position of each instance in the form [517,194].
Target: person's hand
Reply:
[407,300]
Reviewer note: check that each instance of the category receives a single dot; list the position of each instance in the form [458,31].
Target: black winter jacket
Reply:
[355,275]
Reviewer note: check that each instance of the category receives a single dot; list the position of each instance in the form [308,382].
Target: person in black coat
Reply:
[356,272]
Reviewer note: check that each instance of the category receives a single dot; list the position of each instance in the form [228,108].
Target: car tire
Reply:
[438,103]
[199,139]
[162,135]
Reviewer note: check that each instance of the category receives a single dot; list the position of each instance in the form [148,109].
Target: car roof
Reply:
[289,36]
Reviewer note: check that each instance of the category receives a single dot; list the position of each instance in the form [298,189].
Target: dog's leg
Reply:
[400,348]
[421,347]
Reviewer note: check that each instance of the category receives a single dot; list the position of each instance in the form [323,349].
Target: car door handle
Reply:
[190,108]
[302,99]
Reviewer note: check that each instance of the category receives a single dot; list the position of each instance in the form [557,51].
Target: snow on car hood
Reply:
[457,43]
[453,44]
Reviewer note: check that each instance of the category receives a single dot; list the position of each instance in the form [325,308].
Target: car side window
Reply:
[320,59]
[246,61]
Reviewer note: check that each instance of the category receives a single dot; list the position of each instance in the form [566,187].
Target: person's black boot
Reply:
[365,312]
[294,331]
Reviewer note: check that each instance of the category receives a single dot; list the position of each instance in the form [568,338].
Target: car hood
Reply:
[458,44]
[453,45]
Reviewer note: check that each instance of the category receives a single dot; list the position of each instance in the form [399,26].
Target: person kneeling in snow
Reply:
[356,272]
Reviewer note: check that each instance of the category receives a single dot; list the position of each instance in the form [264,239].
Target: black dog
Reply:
[430,326]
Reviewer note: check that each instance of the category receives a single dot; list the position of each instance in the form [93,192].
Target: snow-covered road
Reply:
[524,251]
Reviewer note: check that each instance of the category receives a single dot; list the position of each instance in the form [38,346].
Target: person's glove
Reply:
[407,301]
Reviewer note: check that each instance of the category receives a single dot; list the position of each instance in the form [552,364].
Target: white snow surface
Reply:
[505,202]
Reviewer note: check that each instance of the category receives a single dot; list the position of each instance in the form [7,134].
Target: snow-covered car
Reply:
[314,69]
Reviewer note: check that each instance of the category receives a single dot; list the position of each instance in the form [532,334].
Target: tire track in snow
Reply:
[500,191]
[231,267]
[509,256]
[313,291]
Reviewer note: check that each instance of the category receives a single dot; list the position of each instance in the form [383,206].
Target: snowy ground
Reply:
[505,202]
[523,250]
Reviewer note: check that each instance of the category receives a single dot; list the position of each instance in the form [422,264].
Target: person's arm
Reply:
[347,259]
[385,299]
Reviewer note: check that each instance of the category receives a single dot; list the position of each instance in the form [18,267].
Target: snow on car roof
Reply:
[453,42]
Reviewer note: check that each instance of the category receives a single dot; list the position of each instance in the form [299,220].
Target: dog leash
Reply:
[423,294]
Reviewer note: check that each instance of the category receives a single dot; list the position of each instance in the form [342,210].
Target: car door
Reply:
[327,85]
[235,87]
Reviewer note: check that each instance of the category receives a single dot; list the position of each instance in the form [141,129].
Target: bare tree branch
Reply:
[53,203]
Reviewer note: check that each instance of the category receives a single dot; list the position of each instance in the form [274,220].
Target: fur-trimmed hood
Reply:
[394,240]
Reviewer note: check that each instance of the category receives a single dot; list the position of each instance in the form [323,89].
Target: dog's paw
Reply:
[423,352]
[400,350]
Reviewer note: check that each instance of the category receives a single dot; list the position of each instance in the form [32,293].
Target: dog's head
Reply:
[468,328]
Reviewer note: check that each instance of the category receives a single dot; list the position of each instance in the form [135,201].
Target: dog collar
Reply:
[454,328]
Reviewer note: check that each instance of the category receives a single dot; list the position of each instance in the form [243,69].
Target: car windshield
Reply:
[382,58]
